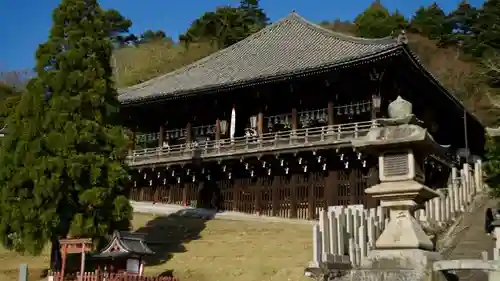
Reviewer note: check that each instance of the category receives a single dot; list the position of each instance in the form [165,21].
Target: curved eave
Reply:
[160,97]
[414,59]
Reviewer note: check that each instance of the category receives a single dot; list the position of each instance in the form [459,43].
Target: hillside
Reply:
[136,64]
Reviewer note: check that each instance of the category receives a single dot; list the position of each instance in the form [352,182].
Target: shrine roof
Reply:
[124,243]
[289,46]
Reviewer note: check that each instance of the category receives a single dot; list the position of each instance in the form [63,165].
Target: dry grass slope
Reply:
[214,250]
[146,61]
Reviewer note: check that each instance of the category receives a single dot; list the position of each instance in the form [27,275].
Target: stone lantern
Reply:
[402,144]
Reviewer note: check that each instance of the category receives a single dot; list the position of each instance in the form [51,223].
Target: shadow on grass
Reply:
[166,235]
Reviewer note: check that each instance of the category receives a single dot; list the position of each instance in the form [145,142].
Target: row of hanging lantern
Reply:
[306,118]
[354,108]
[146,138]
[204,130]
[163,175]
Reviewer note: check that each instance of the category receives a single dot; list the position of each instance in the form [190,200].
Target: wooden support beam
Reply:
[161,136]
[294,119]
[330,113]
[217,129]
[260,123]
[133,139]
[189,133]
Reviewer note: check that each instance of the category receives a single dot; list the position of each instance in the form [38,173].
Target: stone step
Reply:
[471,240]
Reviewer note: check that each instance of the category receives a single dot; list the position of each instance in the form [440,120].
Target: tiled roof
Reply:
[288,46]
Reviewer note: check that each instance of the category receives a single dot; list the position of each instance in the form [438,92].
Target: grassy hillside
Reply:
[138,64]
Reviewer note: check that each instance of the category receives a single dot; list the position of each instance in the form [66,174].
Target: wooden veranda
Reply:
[295,196]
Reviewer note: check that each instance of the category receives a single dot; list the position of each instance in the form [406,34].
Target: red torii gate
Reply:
[74,246]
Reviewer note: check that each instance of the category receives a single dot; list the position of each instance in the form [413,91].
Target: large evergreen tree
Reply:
[62,161]
[486,30]
[461,22]
[227,25]
[431,22]
[378,22]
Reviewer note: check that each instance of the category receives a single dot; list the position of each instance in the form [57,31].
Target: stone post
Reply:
[496,233]
[478,176]
[403,250]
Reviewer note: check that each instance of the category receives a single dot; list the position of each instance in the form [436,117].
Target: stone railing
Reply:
[283,141]
[350,232]
[489,266]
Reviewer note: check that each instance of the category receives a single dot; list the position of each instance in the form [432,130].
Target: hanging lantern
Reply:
[376,101]
[223,126]
[253,121]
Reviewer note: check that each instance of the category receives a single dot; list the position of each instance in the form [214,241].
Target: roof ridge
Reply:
[209,57]
[291,16]
[343,36]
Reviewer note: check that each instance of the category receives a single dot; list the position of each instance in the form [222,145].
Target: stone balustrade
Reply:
[350,232]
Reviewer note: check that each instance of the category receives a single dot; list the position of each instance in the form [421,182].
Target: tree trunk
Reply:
[55,255]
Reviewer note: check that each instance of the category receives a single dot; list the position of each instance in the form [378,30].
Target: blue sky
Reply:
[25,23]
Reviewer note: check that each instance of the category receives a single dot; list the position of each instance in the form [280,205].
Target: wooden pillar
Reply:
[353,187]
[260,123]
[185,194]
[161,136]
[63,265]
[275,196]
[217,129]
[293,197]
[189,131]
[311,199]
[82,261]
[257,195]
[294,119]
[330,189]
[330,113]
[132,145]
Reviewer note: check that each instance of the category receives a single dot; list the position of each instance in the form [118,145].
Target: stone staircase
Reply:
[467,239]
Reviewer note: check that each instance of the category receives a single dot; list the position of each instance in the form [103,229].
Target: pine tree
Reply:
[461,22]
[378,22]
[431,22]
[485,39]
[62,161]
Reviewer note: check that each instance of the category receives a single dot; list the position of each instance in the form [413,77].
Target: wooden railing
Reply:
[277,141]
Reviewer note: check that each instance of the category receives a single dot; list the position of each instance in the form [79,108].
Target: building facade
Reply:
[266,125]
